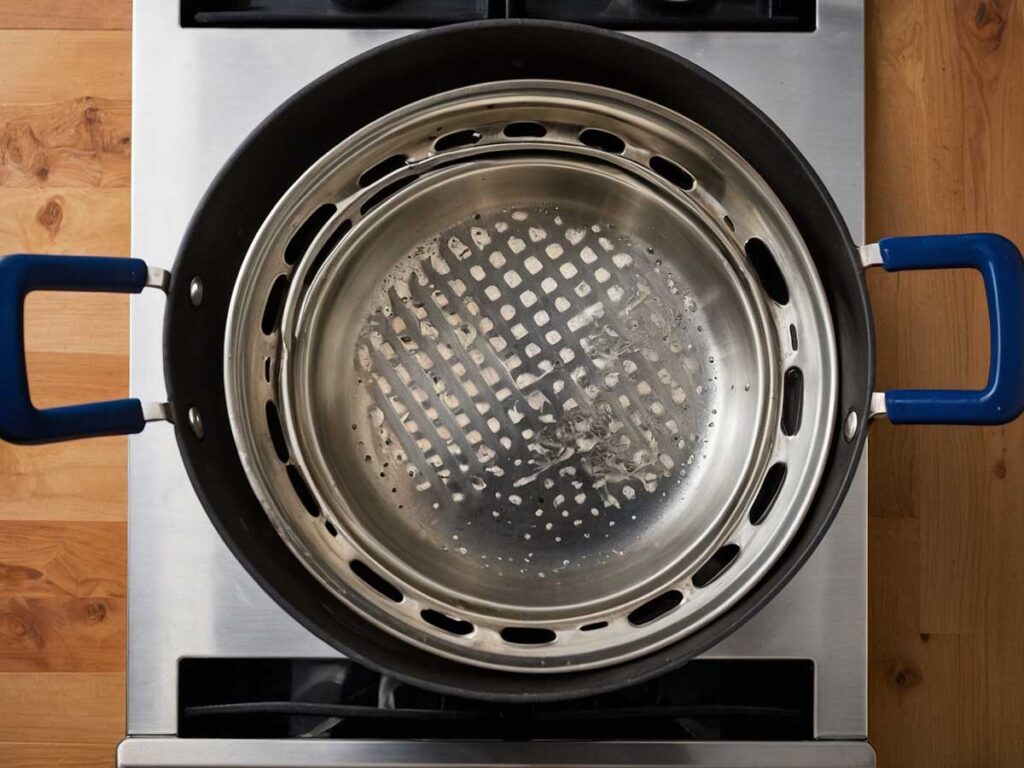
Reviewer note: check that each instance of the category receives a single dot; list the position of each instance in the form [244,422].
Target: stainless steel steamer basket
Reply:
[532,374]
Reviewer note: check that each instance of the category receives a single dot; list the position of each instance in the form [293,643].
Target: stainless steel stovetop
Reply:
[197,94]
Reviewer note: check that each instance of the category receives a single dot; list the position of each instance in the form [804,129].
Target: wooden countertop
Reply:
[945,134]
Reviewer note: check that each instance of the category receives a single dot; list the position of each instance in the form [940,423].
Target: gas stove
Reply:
[787,689]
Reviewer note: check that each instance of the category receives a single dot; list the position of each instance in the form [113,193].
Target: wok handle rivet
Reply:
[195,291]
[195,422]
[850,425]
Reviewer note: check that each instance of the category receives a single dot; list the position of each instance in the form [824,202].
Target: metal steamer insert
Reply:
[532,374]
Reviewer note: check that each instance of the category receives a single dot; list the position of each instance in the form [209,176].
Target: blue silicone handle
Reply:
[1002,268]
[20,421]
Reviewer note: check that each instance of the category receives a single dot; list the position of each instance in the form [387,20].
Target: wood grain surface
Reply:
[945,135]
[945,130]
[65,161]
[66,14]
[22,754]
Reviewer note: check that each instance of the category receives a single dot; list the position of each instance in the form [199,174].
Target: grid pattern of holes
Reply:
[522,336]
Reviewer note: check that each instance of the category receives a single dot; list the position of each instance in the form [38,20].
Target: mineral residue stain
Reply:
[531,352]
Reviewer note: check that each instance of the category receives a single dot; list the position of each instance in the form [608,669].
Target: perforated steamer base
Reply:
[532,374]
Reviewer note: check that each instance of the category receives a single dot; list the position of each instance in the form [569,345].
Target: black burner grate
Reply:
[744,15]
[705,700]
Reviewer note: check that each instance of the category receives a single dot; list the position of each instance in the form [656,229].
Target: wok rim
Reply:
[209,465]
